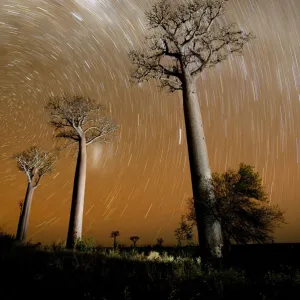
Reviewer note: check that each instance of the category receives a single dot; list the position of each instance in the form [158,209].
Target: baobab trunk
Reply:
[24,216]
[76,215]
[209,229]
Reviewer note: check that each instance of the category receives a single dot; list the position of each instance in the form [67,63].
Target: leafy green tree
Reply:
[242,207]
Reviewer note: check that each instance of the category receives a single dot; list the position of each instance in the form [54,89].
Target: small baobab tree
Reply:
[134,239]
[35,163]
[80,120]
[114,235]
[183,40]
[159,242]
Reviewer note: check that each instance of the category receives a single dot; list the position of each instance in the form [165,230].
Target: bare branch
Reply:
[35,163]
[101,131]
[186,35]
[75,117]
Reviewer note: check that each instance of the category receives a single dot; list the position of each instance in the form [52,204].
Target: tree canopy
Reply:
[35,163]
[185,37]
[75,117]
[184,233]
[242,207]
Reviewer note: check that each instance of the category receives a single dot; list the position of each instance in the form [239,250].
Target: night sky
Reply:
[139,182]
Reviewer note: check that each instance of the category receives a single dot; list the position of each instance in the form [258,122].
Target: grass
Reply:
[33,271]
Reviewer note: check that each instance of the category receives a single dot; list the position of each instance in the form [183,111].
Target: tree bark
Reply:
[24,216]
[209,229]
[76,215]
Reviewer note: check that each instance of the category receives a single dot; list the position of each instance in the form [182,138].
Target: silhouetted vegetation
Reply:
[114,235]
[184,233]
[144,273]
[242,207]
[134,240]
[159,242]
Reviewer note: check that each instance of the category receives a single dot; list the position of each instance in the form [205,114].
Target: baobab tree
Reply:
[80,120]
[134,239]
[159,242]
[114,235]
[183,40]
[35,163]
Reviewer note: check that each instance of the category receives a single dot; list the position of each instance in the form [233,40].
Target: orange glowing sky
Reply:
[138,184]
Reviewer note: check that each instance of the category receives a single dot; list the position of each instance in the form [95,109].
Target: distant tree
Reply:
[20,204]
[35,163]
[79,119]
[159,242]
[242,207]
[184,233]
[134,239]
[114,235]
[182,41]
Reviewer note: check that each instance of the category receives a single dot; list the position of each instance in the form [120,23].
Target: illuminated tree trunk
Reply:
[209,229]
[76,215]
[24,216]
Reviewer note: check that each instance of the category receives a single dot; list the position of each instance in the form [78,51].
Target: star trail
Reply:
[138,183]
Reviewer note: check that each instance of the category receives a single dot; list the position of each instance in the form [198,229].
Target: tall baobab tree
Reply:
[79,119]
[134,239]
[183,40]
[35,163]
[114,235]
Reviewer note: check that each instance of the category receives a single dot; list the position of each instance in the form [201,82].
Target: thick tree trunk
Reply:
[76,215]
[24,216]
[209,229]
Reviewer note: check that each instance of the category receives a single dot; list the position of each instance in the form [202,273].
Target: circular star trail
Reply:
[138,184]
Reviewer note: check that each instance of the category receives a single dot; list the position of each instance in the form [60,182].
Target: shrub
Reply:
[85,245]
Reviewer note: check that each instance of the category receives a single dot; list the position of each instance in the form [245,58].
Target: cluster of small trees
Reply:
[115,234]
[183,40]
[134,239]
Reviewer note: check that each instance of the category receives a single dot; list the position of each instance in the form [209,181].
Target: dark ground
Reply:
[251,272]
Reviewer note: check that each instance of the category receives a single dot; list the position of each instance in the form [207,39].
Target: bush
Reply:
[85,245]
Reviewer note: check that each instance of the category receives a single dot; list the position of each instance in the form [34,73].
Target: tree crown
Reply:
[35,163]
[242,206]
[76,117]
[134,238]
[185,39]
[114,234]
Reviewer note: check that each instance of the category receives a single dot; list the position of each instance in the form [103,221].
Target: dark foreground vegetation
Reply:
[33,271]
